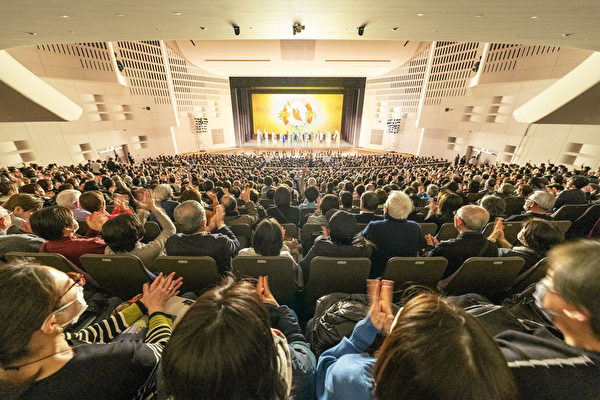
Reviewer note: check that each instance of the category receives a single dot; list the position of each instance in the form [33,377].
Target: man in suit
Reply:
[469,221]
[368,205]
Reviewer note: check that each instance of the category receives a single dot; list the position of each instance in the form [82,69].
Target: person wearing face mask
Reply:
[548,367]
[537,205]
[41,358]
[57,225]
[536,238]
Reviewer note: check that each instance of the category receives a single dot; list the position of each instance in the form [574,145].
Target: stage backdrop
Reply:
[296,112]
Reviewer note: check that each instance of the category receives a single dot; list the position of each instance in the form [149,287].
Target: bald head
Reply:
[474,218]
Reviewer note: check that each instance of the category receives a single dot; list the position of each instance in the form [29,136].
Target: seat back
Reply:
[151,231]
[265,203]
[199,273]
[563,226]
[483,275]
[447,231]
[243,233]
[406,271]
[335,274]
[291,230]
[584,224]
[304,213]
[360,227]
[514,205]
[309,234]
[428,228]
[53,260]
[570,212]
[532,275]
[511,230]
[120,275]
[280,270]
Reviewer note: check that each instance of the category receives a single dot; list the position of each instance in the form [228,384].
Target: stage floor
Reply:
[303,145]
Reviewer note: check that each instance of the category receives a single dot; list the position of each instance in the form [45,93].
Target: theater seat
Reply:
[447,231]
[483,275]
[199,273]
[243,233]
[280,270]
[511,230]
[569,212]
[120,275]
[406,271]
[534,274]
[335,274]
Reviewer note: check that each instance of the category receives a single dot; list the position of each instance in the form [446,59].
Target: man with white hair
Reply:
[394,236]
[163,194]
[469,221]
[70,198]
[537,205]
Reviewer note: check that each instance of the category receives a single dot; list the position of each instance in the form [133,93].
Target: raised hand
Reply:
[157,293]
[263,290]
[380,298]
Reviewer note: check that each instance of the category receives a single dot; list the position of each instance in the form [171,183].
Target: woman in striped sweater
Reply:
[39,360]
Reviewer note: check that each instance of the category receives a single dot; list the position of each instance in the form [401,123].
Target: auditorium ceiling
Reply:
[549,22]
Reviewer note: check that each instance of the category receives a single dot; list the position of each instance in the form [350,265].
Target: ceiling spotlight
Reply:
[31,33]
[566,34]
[535,17]
[236,30]
[479,16]
[395,28]
[177,13]
[118,14]
[361,30]
[420,14]
[297,28]
[64,16]
[202,28]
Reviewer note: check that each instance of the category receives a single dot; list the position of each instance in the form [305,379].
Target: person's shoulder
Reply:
[350,377]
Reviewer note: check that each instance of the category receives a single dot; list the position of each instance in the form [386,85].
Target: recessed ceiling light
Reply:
[202,28]
[420,14]
[118,14]
[395,28]
[250,27]
[535,17]
[31,33]
[567,34]
[177,13]
[64,16]
[479,16]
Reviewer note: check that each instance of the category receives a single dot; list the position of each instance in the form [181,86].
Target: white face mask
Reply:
[521,238]
[83,306]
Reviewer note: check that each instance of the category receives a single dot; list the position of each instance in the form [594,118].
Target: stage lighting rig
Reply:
[236,29]
[297,28]
[361,30]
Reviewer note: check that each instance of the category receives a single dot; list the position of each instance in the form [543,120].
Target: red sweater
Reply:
[73,248]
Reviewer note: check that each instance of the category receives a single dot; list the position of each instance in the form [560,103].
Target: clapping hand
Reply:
[262,288]
[380,299]
[147,201]
[431,240]
[498,232]
[157,293]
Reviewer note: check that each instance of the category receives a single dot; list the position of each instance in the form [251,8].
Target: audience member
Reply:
[368,206]
[282,210]
[573,193]
[537,205]
[70,199]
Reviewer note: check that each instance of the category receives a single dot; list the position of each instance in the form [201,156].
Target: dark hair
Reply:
[541,235]
[369,200]
[346,199]
[92,201]
[438,351]
[208,185]
[328,202]
[223,348]
[122,232]
[190,194]
[450,202]
[268,180]
[267,239]
[65,186]
[229,203]
[253,195]
[311,193]
[30,188]
[579,181]
[576,277]
[282,196]
[33,296]
[26,201]
[49,222]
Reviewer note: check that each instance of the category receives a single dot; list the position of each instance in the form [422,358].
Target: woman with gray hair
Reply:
[494,205]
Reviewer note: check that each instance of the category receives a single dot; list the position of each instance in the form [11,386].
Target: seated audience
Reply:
[57,225]
[494,205]
[195,238]
[442,210]
[469,221]
[123,234]
[536,238]
[311,194]
[544,366]
[537,205]
[432,350]
[267,240]
[237,342]
[40,358]
[337,241]
[394,236]
[282,210]
[70,199]
[328,202]
[573,193]
[164,196]
[21,206]
[15,242]
[368,205]
[233,216]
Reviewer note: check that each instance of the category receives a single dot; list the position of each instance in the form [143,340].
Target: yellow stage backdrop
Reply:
[297,112]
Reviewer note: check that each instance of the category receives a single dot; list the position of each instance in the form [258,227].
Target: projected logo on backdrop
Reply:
[303,112]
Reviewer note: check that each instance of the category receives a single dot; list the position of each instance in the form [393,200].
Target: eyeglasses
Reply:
[78,280]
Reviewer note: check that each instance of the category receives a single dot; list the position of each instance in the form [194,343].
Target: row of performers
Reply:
[294,136]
